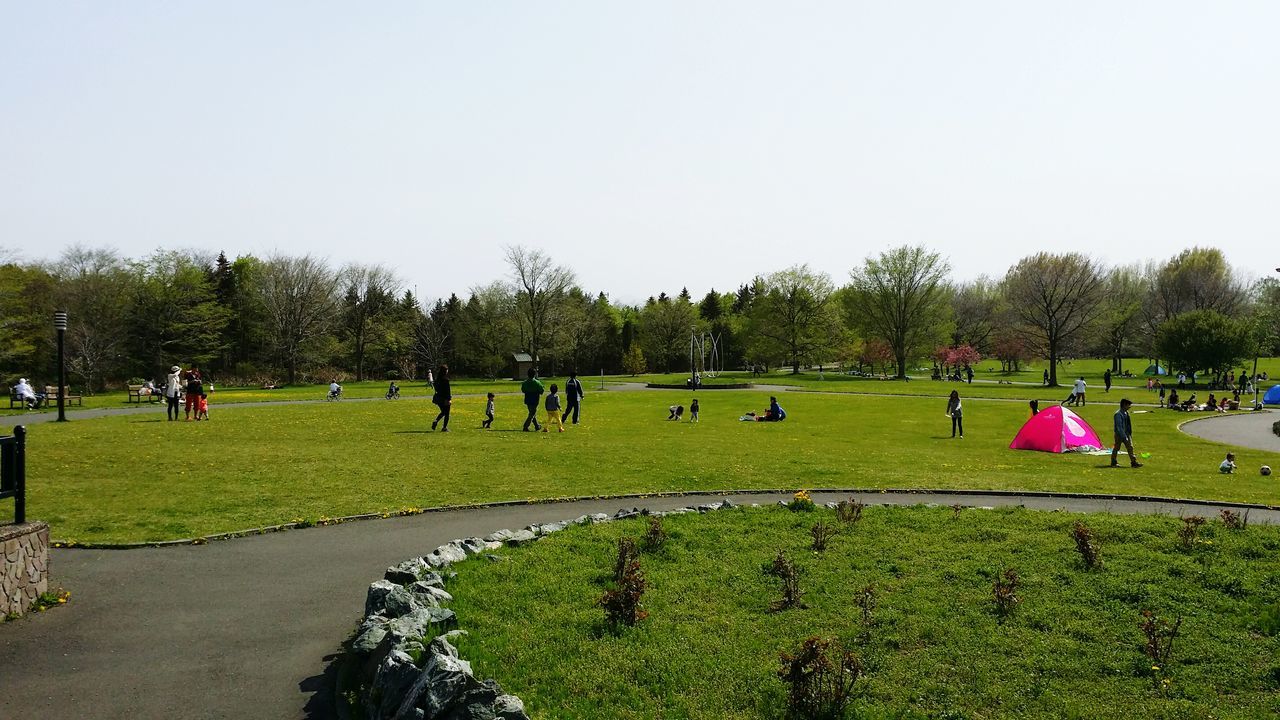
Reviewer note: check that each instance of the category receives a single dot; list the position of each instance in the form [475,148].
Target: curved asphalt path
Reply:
[247,628]
[1251,430]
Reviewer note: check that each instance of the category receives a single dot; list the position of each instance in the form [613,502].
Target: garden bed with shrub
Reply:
[882,612]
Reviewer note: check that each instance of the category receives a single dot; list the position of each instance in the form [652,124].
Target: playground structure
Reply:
[704,355]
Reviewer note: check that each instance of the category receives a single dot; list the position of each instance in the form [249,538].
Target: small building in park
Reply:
[520,365]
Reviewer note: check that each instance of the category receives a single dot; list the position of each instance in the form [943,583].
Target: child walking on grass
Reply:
[202,407]
[553,409]
[693,411]
[488,414]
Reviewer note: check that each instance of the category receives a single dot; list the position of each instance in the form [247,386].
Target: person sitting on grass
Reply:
[675,412]
[1228,466]
[1190,403]
[775,413]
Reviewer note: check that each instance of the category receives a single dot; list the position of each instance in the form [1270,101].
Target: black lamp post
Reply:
[60,324]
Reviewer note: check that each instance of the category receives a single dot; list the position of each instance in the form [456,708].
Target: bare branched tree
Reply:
[299,294]
[1055,297]
[94,290]
[369,295]
[539,285]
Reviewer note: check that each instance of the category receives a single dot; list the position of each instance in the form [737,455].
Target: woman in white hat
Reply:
[172,386]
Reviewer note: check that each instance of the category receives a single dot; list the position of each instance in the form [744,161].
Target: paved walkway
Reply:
[1251,430]
[247,628]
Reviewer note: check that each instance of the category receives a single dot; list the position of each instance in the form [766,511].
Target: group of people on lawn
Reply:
[558,408]
[184,388]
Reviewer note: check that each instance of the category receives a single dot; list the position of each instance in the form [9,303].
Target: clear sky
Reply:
[648,145]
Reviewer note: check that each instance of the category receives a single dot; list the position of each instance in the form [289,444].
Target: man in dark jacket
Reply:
[532,390]
[1124,434]
[572,394]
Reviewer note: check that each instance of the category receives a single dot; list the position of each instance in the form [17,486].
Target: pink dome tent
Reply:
[1055,429]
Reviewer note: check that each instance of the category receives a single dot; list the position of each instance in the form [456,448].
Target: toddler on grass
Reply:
[1228,466]
[693,411]
[488,414]
[553,409]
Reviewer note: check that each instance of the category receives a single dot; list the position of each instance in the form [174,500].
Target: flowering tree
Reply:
[1011,349]
[963,356]
[877,353]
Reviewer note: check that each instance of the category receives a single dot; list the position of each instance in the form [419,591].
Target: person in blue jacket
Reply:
[1124,434]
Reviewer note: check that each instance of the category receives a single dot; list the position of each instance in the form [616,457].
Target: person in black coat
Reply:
[572,394]
[443,397]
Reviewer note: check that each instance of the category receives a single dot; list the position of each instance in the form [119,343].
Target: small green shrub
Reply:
[1269,619]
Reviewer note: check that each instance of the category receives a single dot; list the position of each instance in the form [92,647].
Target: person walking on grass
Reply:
[1046,376]
[488,414]
[443,397]
[532,390]
[1124,435]
[572,394]
[553,409]
[1106,380]
[956,413]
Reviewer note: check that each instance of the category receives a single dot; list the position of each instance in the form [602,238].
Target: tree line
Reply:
[290,319]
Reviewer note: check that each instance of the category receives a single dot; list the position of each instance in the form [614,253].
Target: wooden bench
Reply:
[16,402]
[51,396]
[135,395]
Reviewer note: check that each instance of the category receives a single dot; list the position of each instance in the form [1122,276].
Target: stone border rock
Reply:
[401,653]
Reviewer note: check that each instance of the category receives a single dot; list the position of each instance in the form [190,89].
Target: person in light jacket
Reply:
[173,391]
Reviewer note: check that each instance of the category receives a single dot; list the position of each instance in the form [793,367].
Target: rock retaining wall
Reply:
[402,658]
[24,553]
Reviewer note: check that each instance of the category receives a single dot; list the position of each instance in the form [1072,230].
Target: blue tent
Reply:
[1273,396]
[1155,370]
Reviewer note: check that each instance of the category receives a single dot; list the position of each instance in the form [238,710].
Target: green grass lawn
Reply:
[140,478]
[934,647]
